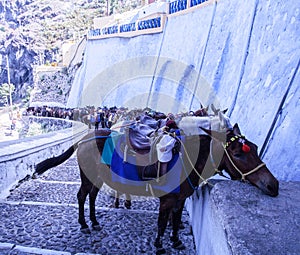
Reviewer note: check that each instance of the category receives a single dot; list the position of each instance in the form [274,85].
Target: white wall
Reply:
[241,55]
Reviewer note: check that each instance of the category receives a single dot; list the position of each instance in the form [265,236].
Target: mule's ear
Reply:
[214,109]
[224,111]
[236,129]
[220,136]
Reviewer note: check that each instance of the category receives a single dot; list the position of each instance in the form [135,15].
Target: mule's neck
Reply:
[198,153]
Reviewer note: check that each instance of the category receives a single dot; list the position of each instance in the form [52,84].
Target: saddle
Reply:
[140,132]
[139,138]
[139,147]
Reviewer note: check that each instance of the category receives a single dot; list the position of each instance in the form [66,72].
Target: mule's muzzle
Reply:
[270,188]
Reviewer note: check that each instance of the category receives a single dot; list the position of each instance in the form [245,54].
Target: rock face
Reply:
[15,47]
[52,87]
[32,33]
[20,60]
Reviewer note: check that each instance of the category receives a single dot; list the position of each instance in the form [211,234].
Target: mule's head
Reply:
[241,161]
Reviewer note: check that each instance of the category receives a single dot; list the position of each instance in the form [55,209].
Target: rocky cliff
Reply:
[32,33]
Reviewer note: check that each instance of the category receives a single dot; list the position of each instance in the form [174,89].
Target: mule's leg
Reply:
[165,206]
[127,201]
[176,220]
[92,197]
[117,199]
[81,196]
[181,226]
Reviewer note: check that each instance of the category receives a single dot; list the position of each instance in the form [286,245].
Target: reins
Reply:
[217,171]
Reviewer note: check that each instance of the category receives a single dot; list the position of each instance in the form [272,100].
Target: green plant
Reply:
[5,91]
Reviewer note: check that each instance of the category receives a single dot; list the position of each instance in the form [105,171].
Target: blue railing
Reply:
[127,27]
[196,2]
[95,32]
[149,23]
[177,6]
[139,26]
[110,30]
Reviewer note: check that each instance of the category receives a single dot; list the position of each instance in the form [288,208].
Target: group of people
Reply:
[100,117]
[103,117]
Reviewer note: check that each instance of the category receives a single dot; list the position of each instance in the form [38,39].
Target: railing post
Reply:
[188,4]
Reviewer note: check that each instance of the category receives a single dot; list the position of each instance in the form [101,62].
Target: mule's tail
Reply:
[43,166]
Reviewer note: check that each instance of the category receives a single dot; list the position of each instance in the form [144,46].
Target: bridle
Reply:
[240,138]
[225,146]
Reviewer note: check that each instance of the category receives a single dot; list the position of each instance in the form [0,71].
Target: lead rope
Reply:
[217,171]
[186,174]
[205,181]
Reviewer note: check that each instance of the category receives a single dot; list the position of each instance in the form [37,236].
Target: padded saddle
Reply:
[139,138]
[139,134]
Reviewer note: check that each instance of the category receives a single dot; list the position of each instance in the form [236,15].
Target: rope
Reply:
[126,125]
[239,171]
[219,172]
[187,176]
[192,165]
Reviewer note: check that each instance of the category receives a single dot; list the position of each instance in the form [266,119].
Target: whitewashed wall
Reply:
[242,55]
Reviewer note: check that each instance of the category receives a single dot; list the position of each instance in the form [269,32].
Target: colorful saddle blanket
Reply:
[126,168]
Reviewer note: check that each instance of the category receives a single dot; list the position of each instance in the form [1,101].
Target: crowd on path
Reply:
[103,117]
[89,115]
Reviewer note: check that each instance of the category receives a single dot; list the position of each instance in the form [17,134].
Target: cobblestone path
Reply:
[40,217]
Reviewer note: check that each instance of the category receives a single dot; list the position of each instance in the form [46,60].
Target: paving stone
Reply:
[40,217]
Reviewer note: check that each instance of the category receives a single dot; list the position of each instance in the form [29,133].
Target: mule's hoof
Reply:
[127,205]
[158,243]
[96,227]
[178,245]
[160,251]
[85,230]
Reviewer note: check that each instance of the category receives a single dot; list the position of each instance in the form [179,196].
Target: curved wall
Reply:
[240,55]
[19,157]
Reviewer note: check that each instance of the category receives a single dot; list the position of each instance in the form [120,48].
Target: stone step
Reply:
[40,217]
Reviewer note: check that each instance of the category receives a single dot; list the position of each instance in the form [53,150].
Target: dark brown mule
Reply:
[240,161]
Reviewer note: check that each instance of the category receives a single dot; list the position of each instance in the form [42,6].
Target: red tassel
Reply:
[245,148]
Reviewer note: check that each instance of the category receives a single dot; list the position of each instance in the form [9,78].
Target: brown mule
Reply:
[237,156]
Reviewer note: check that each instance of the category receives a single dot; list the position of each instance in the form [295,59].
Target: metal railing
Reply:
[177,6]
[146,26]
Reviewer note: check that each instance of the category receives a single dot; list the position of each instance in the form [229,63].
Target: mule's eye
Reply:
[237,155]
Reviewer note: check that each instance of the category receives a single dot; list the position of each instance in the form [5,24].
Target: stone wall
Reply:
[19,157]
[235,218]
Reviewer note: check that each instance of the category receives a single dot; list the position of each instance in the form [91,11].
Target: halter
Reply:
[241,138]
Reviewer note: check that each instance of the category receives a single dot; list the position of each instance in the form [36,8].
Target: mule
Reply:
[202,155]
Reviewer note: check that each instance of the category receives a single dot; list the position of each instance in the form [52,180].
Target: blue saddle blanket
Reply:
[127,173]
